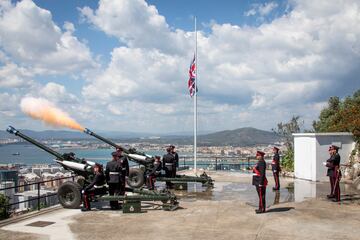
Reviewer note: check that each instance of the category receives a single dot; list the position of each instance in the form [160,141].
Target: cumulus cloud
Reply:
[13,76]
[261,9]
[135,73]
[30,37]
[294,62]
[7,103]
[57,93]
[136,24]
[288,66]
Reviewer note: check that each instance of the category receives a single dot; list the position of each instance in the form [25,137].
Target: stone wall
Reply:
[351,170]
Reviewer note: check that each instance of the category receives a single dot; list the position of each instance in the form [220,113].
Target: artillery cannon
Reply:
[137,176]
[69,193]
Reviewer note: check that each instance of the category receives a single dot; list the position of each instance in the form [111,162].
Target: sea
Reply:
[28,154]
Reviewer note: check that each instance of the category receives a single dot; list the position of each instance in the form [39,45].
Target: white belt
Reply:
[101,186]
[114,173]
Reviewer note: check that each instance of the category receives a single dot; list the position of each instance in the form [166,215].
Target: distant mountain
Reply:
[238,137]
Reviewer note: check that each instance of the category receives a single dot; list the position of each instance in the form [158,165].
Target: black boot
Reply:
[259,211]
[83,209]
[330,196]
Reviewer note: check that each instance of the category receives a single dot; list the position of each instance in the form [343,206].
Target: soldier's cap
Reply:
[119,149]
[115,154]
[277,149]
[98,165]
[260,153]
[333,147]
[172,146]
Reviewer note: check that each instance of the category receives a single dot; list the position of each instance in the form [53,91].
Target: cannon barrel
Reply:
[133,155]
[16,132]
[88,131]
[79,166]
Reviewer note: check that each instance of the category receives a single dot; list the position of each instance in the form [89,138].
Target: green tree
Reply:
[341,116]
[285,131]
[4,209]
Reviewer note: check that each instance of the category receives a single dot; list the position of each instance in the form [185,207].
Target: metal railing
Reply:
[216,163]
[39,196]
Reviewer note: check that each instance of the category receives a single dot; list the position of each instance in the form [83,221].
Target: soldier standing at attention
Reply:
[259,181]
[124,173]
[151,175]
[334,173]
[275,166]
[176,156]
[97,186]
[169,166]
[113,178]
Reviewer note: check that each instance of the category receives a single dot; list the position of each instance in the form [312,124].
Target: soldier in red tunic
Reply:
[334,173]
[259,181]
[275,166]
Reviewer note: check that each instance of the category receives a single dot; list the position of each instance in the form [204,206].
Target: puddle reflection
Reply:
[296,191]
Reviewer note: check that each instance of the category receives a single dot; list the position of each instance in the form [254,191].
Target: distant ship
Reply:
[16,154]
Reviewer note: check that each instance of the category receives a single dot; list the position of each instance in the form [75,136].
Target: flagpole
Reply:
[195,102]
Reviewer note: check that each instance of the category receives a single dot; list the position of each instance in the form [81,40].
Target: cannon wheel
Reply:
[136,178]
[69,195]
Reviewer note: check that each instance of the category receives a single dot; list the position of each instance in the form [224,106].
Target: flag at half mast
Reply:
[192,77]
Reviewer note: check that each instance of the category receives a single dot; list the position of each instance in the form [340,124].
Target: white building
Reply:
[311,150]
[8,192]
[33,202]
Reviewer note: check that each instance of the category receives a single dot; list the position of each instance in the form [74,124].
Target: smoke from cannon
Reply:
[42,109]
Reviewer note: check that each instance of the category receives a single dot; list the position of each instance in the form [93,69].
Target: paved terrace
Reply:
[226,212]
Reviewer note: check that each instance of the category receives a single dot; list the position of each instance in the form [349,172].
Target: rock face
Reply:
[352,170]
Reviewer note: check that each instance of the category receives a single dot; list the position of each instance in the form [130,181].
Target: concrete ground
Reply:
[226,212]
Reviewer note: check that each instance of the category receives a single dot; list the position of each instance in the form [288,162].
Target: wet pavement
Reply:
[224,212]
[291,190]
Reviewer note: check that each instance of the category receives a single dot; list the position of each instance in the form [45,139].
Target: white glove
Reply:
[82,191]
[324,163]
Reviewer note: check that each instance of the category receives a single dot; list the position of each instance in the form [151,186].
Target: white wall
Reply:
[311,150]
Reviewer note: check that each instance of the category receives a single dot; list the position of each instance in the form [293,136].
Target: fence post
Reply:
[38,200]
[215,163]
[184,162]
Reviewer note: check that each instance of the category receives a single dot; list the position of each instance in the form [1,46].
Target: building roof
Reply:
[322,134]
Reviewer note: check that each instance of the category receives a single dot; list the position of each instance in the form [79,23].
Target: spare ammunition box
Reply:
[180,185]
[132,207]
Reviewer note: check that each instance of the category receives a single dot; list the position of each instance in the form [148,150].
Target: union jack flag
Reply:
[192,77]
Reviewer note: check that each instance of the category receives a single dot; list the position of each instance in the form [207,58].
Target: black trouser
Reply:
[114,190]
[277,180]
[277,198]
[261,191]
[336,188]
[332,181]
[169,173]
[150,181]
[174,172]
[122,185]
[90,193]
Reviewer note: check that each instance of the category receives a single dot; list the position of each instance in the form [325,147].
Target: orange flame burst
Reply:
[42,109]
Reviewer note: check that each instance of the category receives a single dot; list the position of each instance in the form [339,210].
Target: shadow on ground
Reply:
[280,209]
